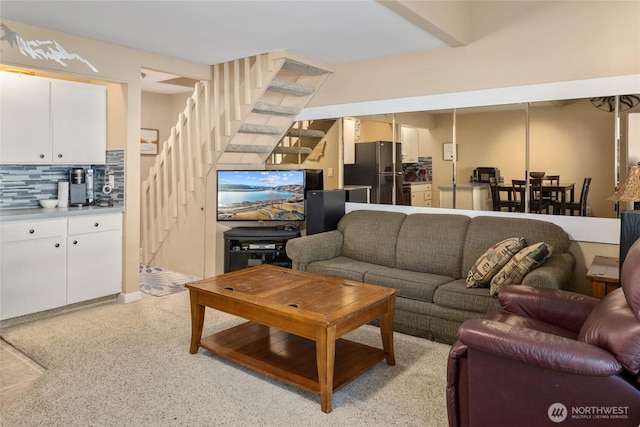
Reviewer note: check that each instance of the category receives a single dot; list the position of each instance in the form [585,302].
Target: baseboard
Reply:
[130,297]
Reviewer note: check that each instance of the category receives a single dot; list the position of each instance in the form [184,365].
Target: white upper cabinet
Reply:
[25,128]
[410,144]
[50,121]
[79,122]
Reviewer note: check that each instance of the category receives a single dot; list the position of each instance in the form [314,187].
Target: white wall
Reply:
[514,44]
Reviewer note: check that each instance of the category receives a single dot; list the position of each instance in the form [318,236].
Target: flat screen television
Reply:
[261,195]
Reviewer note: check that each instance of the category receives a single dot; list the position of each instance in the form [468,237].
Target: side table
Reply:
[604,274]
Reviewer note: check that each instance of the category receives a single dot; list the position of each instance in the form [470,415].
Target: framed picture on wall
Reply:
[447,151]
[149,141]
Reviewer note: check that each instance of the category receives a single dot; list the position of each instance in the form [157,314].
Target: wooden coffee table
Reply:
[295,323]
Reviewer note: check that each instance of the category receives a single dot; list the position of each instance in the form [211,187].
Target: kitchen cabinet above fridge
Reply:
[51,121]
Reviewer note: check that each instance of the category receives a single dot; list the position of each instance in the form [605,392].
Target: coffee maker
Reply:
[77,187]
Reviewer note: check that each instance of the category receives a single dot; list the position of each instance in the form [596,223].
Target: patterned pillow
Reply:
[492,261]
[520,265]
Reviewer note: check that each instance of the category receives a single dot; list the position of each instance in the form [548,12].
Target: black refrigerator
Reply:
[374,167]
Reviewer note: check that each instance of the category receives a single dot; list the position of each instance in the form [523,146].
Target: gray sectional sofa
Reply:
[427,257]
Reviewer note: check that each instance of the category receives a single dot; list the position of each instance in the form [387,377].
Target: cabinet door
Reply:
[33,276]
[94,265]
[410,144]
[25,136]
[417,198]
[79,122]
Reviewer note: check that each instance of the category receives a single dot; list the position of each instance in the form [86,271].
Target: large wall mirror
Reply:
[571,138]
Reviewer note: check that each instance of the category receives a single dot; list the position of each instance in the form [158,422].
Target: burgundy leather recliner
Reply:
[551,358]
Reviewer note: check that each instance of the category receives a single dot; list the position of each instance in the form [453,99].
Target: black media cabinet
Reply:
[248,246]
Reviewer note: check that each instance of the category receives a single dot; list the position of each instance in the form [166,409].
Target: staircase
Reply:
[235,121]
[257,116]
[304,140]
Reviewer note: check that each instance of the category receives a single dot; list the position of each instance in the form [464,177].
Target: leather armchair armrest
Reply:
[316,247]
[537,348]
[564,309]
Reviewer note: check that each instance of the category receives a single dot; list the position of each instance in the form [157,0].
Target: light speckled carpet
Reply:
[117,364]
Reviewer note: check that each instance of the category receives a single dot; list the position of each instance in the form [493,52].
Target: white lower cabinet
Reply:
[421,195]
[94,257]
[52,263]
[33,267]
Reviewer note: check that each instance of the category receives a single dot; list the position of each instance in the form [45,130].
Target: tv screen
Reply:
[264,195]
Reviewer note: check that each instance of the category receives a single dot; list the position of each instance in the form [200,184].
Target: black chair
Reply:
[581,206]
[536,203]
[499,204]
[552,197]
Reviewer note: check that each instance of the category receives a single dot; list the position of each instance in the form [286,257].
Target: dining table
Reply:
[548,190]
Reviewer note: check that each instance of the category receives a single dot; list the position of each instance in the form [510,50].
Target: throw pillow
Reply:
[520,265]
[492,261]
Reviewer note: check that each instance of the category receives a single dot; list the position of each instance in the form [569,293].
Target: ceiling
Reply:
[211,32]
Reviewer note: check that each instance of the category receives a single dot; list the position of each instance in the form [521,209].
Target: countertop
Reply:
[356,187]
[465,186]
[42,213]
[409,183]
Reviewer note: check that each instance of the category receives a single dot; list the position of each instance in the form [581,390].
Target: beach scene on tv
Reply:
[261,195]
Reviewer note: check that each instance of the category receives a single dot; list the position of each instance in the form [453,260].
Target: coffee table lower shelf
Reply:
[289,358]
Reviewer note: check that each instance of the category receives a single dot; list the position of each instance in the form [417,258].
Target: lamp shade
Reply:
[630,189]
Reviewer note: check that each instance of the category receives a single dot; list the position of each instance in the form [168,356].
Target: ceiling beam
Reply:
[448,21]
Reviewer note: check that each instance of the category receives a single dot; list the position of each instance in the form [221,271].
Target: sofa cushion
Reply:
[612,326]
[521,264]
[344,267]
[370,236]
[484,231]
[411,284]
[456,295]
[430,243]
[492,261]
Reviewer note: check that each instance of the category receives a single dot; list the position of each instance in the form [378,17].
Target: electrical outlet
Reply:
[330,171]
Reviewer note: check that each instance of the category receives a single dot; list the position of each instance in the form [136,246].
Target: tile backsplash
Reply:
[421,171]
[22,186]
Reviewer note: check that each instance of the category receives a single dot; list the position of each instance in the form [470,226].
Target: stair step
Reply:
[301,68]
[305,133]
[292,150]
[248,148]
[290,88]
[275,110]
[261,129]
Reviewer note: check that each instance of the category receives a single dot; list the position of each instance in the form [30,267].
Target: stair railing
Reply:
[208,122]
[171,179]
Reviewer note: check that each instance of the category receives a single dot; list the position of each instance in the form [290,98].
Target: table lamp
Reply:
[629,220]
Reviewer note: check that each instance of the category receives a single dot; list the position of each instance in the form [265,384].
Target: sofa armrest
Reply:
[316,247]
[537,348]
[555,273]
[564,309]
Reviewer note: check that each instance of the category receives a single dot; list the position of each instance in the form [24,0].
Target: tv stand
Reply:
[248,246]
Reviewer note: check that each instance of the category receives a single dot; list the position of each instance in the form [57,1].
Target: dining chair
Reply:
[498,203]
[581,206]
[536,203]
[519,189]
[553,198]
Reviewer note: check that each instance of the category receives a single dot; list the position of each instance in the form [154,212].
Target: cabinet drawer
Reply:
[29,230]
[427,195]
[90,224]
